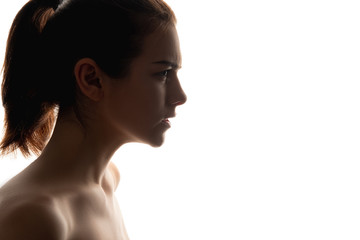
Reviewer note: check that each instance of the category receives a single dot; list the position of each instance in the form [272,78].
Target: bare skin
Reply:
[68,192]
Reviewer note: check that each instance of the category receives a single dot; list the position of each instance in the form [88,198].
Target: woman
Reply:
[106,70]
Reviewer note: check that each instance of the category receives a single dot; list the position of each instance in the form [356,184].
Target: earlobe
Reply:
[87,74]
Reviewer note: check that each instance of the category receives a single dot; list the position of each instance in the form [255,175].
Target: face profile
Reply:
[144,101]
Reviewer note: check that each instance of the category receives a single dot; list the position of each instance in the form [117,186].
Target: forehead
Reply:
[162,45]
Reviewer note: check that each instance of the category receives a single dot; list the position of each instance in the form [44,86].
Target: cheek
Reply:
[143,106]
[148,112]
[151,102]
[137,110]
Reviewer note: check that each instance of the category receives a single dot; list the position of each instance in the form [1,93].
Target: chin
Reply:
[156,141]
[157,144]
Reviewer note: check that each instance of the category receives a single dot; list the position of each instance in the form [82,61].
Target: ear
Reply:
[87,74]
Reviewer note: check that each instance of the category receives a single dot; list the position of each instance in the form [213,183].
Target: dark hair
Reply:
[44,44]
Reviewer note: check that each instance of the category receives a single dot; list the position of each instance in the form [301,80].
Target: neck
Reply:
[75,153]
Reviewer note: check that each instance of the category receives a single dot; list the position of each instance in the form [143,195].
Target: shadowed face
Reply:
[138,106]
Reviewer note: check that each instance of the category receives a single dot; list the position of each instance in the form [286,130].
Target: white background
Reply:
[267,146]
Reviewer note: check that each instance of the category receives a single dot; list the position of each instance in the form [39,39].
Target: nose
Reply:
[179,96]
[182,101]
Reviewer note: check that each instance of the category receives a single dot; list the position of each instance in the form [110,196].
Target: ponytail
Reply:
[29,115]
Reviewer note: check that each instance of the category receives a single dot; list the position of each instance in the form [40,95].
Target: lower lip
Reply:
[166,122]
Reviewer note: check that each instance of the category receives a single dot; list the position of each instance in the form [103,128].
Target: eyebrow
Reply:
[168,63]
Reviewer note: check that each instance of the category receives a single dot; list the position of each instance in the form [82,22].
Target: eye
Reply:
[164,75]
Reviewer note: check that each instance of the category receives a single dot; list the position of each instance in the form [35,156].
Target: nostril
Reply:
[177,103]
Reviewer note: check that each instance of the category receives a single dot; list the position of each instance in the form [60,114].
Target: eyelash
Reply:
[164,74]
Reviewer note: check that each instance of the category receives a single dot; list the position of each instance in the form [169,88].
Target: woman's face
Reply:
[138,106]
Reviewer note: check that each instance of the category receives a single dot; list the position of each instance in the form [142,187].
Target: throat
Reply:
[110,179]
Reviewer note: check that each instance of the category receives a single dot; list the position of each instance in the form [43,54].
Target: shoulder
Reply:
[37,218]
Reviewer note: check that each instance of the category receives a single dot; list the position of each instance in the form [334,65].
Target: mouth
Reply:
[166,122]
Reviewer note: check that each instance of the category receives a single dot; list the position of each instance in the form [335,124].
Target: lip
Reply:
[166,122]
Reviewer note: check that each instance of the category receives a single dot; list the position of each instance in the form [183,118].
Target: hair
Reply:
[46,40]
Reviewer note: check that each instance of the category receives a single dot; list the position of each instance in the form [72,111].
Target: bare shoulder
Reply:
[35,218]
[115,174]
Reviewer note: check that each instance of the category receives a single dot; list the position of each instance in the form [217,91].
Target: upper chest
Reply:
[93,215]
